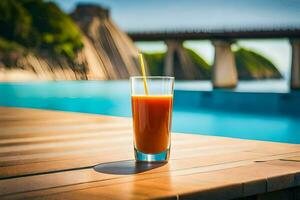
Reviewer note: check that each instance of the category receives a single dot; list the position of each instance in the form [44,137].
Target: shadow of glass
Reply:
[127,167]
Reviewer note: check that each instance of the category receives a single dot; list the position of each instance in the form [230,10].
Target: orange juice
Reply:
[152,117]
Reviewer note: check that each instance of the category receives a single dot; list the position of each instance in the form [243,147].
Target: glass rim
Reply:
[152,77]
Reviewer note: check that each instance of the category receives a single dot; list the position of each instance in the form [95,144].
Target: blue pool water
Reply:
[248,115]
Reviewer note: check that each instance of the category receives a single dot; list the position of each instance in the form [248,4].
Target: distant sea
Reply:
[272,86]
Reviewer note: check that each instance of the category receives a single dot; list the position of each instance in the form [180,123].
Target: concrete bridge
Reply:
[224,67]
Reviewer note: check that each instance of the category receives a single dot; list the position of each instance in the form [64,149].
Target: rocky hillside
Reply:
[107,48]
[250,65]
[155,62]
[39,41]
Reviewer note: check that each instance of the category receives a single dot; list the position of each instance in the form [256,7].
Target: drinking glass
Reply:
[152,104]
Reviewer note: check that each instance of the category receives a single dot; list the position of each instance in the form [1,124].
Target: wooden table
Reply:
[52,154]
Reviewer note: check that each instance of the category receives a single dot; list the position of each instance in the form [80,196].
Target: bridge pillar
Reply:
[295,69]
[224,72]
[169,60]
[178,63]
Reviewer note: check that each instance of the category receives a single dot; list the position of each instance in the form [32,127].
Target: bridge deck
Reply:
[215,34]
[51,155]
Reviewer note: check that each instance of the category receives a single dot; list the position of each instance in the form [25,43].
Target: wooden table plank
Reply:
[261,175]
[192,165]
[176,153]
[178,164]
[53,153]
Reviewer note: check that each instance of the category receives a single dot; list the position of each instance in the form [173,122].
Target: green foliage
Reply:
[200,63]
[8,46]
[39,24]
[15,21]
[155,63]
[252,65]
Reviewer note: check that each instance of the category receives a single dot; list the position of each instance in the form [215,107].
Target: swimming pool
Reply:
[259,116]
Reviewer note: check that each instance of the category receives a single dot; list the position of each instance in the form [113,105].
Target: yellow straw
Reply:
[143,73]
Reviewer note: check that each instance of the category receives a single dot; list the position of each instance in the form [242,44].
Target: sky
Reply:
[190,14]
[151,15]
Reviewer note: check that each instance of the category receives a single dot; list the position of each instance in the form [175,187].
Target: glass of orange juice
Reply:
[152,117]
